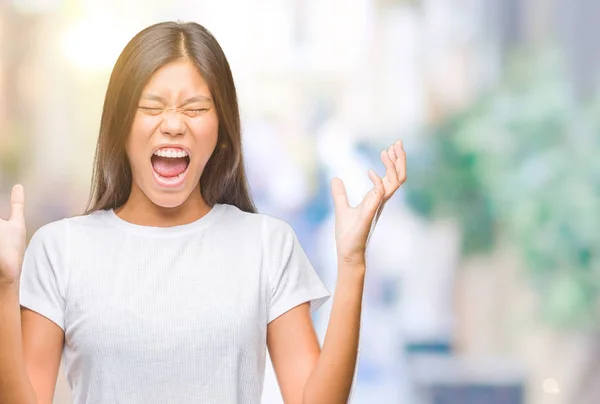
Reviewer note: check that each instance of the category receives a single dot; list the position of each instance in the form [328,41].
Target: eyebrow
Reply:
[197,98]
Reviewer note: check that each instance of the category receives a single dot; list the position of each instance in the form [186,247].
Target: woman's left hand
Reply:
[353,225]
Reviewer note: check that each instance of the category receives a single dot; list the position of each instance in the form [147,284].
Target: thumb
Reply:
[338,192]
[17,203]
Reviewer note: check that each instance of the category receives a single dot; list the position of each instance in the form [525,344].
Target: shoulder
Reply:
[276,227]
[263,221]
[48,242]
[96,218]
[58,232]
[50,232]
[277,234]
[268,226]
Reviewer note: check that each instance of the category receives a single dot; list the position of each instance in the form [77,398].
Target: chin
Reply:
[169,201]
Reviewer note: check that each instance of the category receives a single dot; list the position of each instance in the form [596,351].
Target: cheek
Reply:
[144,125]
[137,143]
[206,132]
[205,126]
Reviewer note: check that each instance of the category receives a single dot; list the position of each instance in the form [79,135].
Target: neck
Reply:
[142,211]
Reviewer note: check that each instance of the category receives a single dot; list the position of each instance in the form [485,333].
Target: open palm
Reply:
[353,225]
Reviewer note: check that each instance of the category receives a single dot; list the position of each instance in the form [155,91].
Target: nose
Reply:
[172,123]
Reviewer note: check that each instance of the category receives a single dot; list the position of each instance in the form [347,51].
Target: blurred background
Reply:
[484,275]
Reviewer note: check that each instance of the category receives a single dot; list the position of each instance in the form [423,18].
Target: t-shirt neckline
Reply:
[203,223]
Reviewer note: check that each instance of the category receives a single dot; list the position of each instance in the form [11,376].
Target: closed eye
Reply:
[194,112]
[190,111]
[151,110]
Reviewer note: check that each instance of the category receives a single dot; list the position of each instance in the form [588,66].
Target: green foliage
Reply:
[523,162]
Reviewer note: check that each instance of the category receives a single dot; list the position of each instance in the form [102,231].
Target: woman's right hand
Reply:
[12,238]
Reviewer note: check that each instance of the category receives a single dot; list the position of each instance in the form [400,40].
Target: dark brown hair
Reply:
[224,178]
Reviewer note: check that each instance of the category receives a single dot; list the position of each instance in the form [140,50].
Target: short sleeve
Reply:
[292,278]
[43,276]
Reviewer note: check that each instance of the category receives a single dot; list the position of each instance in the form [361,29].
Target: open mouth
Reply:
[170,166]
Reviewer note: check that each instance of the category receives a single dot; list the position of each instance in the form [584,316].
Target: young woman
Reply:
[170,286]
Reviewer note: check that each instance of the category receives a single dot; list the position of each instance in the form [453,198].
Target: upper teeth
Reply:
[171,152]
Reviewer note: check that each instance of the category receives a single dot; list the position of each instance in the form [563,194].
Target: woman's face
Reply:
[174,133]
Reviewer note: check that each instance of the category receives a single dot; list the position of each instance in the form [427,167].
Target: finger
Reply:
[401,163]
[374,197]
[17,203]
[375,179]
[390,171]
[338,192]
[398,147]
[392,152]
[372,204]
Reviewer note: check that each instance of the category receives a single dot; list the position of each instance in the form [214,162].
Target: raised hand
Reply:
[354,225]
[12,238]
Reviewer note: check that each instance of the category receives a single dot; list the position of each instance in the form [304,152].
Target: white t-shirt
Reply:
[167,315]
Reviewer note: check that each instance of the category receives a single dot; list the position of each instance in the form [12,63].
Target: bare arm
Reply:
[294,350]
[14,383]
[42,348]
[331,380]
[305,373]
[30,351]
[30,344]
[290,338]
